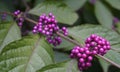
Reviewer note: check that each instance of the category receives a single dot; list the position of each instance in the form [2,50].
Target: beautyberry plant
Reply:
[52,36]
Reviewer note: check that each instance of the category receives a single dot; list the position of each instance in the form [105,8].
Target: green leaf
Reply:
[114,3]
[69,66]
[59,56]
[105,65]
[103,15]
[4,8]
[111,55]
[38,2]
[9,32]
[75,4]
[26,55]
[65,45]
[114,56]
[117,26]
[61,11]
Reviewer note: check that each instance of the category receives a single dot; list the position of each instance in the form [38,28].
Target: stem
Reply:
[7,13]
[68,39]
[26,5]
[30,20]
[108,60]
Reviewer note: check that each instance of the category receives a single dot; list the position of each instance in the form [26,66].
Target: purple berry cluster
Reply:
[83,55]
[97,44]
[47,26]
[20,20]
[93,45]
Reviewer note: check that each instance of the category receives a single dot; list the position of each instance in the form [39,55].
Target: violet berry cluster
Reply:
[47,26]
[93,45]
[20,20]
[97,44]
[83,55]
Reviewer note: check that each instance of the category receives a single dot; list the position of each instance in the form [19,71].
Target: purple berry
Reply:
[88,64]
[84,55]
[90,58]
[81,60]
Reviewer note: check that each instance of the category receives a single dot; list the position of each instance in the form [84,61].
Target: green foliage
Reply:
[65,45]
[69,66]
[103,15]
[105,65]
[26,55]
[33,54]
[75,4]
[114,3]
[118,27]
[4,7]
[59,56]
[61,11]
[9,32]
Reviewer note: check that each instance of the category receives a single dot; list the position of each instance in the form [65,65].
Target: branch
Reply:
[108,60]
[68,39]
[26,5]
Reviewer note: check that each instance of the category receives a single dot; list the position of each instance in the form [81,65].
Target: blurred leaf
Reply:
[114,56]
[118,27]
[105,65]
[38,2]
[9,32]
[66,45]
[9,5]
[59,56]
[26,55]
[114,3]
[103,15]
[69,66]
[3,8]
[28,0]
[61,11]
[75,4]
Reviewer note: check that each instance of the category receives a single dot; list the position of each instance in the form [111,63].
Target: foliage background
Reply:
[21,51]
